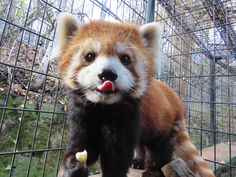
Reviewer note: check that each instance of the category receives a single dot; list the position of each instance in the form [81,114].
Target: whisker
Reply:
[131,47]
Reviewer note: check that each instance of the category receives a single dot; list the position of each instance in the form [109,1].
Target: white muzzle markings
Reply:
[88,79]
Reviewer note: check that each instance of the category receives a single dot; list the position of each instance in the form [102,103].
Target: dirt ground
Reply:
[222,152]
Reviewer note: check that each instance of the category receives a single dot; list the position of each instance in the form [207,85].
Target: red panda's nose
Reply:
[107,74]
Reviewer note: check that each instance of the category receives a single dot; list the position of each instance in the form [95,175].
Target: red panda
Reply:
[116,105]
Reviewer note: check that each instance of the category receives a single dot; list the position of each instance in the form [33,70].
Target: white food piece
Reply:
[81,156]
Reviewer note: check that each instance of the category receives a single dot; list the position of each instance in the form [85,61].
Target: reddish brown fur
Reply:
[161,108]
[104,32]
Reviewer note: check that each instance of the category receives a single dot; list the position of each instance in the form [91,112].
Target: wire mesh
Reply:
[198,61]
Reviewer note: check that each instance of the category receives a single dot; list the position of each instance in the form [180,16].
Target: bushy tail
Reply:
[188,152]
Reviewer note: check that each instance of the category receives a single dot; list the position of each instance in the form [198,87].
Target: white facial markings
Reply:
[96,46]
[121,47]
[96,97]
[75,62]
[88,78]
[141,85]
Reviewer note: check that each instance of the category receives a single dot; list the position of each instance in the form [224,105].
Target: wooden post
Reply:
[177,168]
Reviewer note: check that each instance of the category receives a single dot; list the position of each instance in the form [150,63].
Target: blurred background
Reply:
[198,60]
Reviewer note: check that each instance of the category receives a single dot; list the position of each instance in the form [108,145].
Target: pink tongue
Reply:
[106,86]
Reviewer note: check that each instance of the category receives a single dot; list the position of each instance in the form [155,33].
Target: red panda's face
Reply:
[105,77]
[107,61]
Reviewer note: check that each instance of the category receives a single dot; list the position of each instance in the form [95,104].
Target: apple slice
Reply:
[81,156]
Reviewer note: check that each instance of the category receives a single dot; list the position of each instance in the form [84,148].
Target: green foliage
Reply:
[219,122]
[20,10]
[30,126]
[94,167]
[224,171]
[36,166]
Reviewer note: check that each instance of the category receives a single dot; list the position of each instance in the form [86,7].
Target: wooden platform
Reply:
[176,168]
[222,155]
[132,173]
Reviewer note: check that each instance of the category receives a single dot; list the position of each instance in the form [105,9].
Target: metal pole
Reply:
[150,9]
[213,95]
[212,100]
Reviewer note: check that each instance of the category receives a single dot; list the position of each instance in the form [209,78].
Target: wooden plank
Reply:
[177,168]
[132,173]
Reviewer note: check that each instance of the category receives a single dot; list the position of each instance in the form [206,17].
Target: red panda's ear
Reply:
[67,26]
[151,35]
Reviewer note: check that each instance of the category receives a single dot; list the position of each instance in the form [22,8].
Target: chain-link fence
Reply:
[198,61]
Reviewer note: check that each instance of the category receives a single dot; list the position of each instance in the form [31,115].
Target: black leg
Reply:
[71,167]
[139,159]
[111,130]
[115,162]
[157,155]
[117,150]
[77,171]
[80,134]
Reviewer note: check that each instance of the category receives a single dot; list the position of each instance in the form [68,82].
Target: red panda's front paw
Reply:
[73,168]
[70,162]
[72,172]
[138,163]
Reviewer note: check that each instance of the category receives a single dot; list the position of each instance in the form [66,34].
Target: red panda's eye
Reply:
[125,59]
[89,57]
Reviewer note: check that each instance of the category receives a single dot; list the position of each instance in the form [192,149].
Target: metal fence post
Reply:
[212,101]
[150,11]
